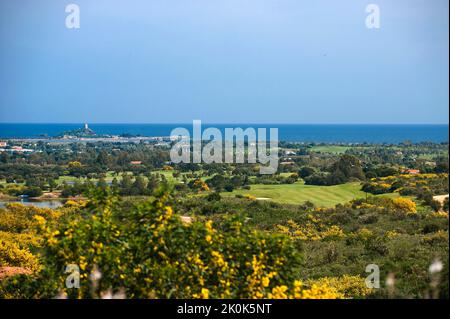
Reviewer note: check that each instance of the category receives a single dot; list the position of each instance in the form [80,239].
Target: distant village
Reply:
[81,135]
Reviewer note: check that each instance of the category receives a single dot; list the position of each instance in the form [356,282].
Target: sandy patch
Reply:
[12,271]
[186,219]
[440,198]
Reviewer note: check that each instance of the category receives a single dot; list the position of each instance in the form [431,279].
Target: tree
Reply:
[115,183]
[347,167]
[125,184]
[4,157]
[306,171]
[229,188]
[51,184]
[74,164]
[139,186]
[33,191]
[441,167]
[436,205]
[152,183]
[103,159]
[214,197]
[102,183]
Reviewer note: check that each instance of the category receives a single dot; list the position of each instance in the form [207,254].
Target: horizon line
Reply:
[220,123]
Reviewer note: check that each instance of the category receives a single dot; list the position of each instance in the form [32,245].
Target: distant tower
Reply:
[86,126]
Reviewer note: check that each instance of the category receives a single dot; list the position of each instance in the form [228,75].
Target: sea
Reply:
[318,133]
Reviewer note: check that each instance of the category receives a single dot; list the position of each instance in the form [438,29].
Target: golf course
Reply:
[297,193]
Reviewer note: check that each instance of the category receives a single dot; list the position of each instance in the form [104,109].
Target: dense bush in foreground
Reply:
[150,253]
[222,248]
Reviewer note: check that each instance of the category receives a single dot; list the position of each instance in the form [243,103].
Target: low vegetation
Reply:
[153,229]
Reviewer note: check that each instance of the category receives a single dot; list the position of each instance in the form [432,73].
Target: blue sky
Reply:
[224,61]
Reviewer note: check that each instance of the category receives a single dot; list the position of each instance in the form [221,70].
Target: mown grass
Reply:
[67,178]
[298,193]
[110,176]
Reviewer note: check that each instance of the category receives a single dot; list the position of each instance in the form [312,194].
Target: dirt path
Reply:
[440,198]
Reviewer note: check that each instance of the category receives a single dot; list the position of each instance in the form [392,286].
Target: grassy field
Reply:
[430,157]
[110,176]
[324,196]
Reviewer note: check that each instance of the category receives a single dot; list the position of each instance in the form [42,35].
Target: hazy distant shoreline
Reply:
[329,133]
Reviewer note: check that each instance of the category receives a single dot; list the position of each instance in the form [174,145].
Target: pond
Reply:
[37,203]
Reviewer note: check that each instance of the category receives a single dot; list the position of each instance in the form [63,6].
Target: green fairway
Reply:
[325,196]
[66,178]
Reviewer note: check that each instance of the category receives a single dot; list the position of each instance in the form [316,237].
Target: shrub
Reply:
[349,286]
[404,205]
[33,191]
[151,253]
[376,188]
[306,171]
[11,254]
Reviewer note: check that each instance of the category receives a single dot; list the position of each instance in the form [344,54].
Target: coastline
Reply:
[307,133]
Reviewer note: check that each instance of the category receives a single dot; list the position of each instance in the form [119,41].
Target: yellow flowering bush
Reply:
[151,253]
[407,185]
[313,229]
[404,205]
[12,254]
[391,234]
[439,214]
[438,237]
[16,217]
[324,288]
[401,206]
[301,290]
[18,236]
[200,185]
[348,286]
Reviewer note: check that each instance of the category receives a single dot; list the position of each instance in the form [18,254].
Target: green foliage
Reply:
[151,253]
